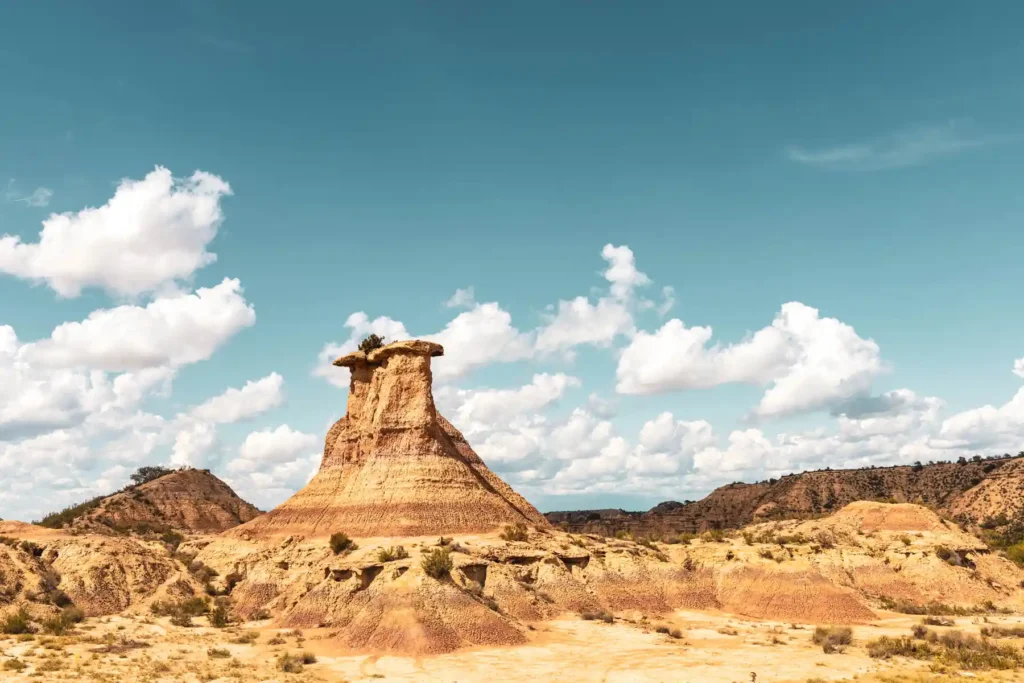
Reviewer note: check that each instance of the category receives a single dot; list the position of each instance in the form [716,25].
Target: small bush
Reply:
[219,617]
[437,563]
[181,619]
[340,543]
[826,540]
[1015,553]
[1002,631]
[173,539]
[218,653]
[371,343]
[16,623]
[201,571]
[937,621]
[232,580]
[391,554]
[713,536]
[517,532]
[766,554]
[905,540]
[56,626]
[900,646]
[290,664]
[832,638]
[307,657]
[246,638]
[600,615]
[15,665]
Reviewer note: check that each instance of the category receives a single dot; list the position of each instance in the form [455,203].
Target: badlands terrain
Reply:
[405,558]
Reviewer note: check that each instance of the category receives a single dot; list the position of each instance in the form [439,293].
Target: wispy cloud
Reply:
[38,197]
[909,147]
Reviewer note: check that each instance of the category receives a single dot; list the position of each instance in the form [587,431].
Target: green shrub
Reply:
[832,638]
[713,536]
[391,554]
[73,615]
[437,563]
[1002,631]
[1015,553]
[181,619]
[340,543]
[219,617]
[149,473]
[371,343]
[246,638]
[16,623]
[57,520]
[290,664]
[600,615]
[202,573]
[899,646]
[173,539]
[15,665]
[218,653]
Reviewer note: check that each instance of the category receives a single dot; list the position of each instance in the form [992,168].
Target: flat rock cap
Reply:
[412,346]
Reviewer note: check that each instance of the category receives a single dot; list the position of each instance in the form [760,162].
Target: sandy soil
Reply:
[713,648]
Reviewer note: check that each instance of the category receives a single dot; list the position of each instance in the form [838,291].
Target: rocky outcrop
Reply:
[187,500]
[392,466]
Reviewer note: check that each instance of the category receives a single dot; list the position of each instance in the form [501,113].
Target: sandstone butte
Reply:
[393,466]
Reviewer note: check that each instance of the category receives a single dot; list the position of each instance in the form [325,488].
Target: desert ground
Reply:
[713,647]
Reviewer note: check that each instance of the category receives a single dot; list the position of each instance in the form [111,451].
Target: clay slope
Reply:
[974,490]
[392,466]
[847,568]
[187,500]
[42,570]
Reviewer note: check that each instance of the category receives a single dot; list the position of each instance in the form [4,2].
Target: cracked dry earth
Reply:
[712,648]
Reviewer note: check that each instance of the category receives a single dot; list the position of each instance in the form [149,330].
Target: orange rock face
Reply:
[393,466]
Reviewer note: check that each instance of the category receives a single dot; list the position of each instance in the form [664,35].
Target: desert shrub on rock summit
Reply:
[371,343]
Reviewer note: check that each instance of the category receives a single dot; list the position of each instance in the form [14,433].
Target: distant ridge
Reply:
[978,491]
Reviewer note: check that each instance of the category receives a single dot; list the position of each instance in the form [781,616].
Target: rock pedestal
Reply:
[393,466]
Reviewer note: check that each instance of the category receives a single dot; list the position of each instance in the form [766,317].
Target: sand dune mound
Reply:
[392,466]
[870,516]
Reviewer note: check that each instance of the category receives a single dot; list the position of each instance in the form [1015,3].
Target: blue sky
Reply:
[863,162]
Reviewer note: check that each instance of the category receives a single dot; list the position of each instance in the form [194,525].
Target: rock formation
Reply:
[392,466]
[187,500]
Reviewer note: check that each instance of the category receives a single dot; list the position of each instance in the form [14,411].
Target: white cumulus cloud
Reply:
[235,405]
[174,330]
[810,362]
[151,233]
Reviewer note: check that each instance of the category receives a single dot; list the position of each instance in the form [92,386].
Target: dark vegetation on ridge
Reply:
[158,501]
[61,518]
